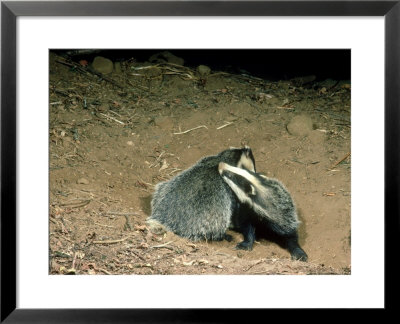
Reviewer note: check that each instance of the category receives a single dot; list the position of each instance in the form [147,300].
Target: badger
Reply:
[265,208]
[197,203]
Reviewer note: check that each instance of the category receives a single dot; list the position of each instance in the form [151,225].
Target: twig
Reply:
[138,255]
[340,161]
[112,118]
[173,171]
[173,72]
[137,68]
[162,246]
[282,107]
[136,86]
[77,205]
[105,225]
[258,262]
[112,111]
[227,124]
[149,184]
[158,159]
[110,241]
[102,76]
[60,92]
[112,213]
[261,272]
[189,130]
[75,66]
[105,271]
[74,261]
[65,238]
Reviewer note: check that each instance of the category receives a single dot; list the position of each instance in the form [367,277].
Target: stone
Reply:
[82,181]
[300,125]
[203,70]
[166,57]
[102,65]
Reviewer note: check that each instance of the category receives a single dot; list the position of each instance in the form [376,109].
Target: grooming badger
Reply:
[197,203]
[265,207]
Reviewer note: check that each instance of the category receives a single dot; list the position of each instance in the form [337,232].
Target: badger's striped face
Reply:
[267,198]
[242,182]
[247,187]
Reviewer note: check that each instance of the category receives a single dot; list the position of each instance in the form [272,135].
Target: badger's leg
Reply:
[248,231]
[241,223]
[292,244]
[286,240]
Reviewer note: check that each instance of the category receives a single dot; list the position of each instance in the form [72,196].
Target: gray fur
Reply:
[197,203]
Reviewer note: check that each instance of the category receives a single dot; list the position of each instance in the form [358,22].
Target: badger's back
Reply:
[197,203]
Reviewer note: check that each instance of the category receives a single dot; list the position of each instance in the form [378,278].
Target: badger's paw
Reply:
[299,254]
[244,245]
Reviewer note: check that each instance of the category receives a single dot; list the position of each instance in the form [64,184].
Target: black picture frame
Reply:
[10,10]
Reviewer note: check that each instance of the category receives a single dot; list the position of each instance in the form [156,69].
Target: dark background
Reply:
[266,64]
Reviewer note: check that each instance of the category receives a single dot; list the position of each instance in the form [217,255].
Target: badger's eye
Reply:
[250,190]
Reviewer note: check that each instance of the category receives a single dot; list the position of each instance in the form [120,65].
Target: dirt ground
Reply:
[113,137]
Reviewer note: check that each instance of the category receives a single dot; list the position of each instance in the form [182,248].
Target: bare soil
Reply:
[112,139]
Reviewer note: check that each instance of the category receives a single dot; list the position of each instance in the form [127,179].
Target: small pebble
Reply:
[82,181]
